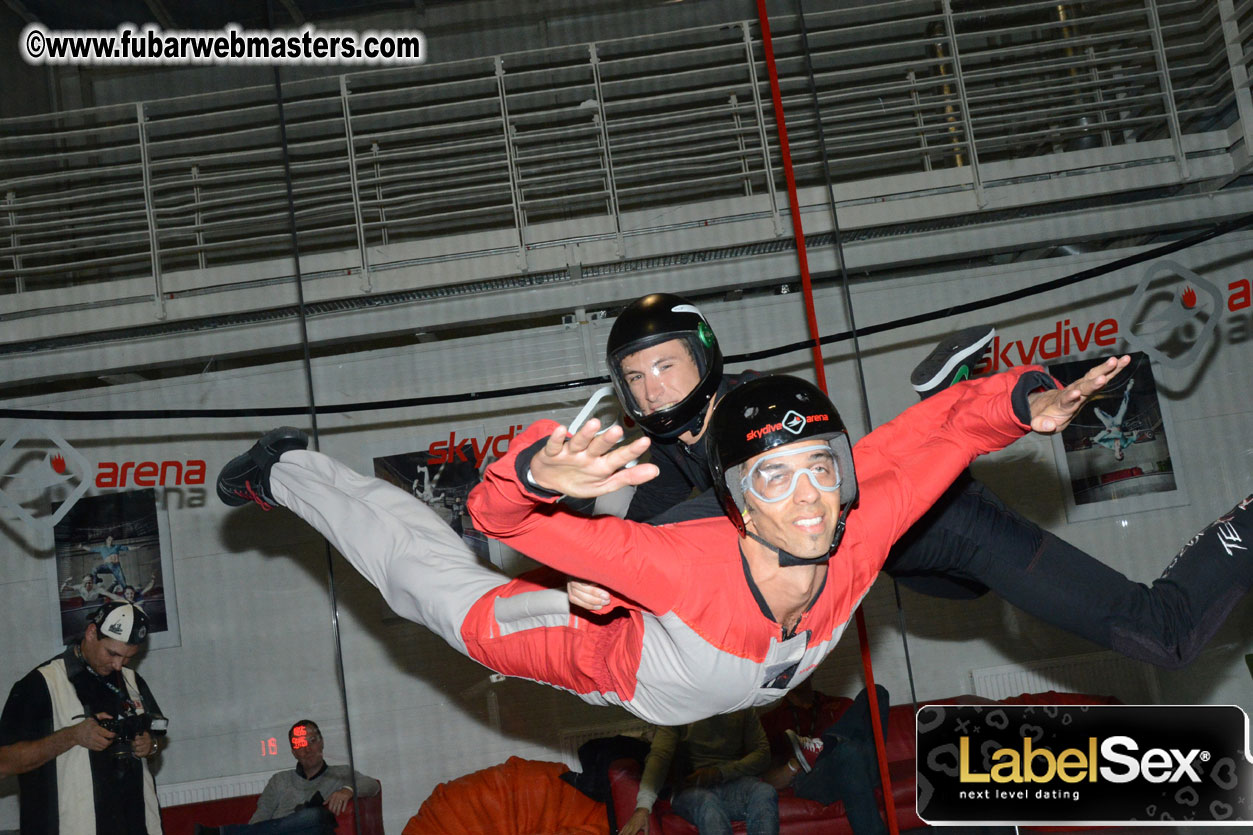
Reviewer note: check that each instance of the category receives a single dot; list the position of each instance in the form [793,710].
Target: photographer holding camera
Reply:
[79,730]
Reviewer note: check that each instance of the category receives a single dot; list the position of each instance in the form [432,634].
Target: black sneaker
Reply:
[952,361]
[246,478]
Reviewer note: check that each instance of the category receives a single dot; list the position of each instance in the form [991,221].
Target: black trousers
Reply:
[970,541]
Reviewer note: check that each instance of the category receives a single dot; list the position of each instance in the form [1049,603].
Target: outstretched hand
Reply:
[1052,411]
[586,465]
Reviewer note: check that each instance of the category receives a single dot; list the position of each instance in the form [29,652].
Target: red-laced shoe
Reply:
[246,477]
[805,748]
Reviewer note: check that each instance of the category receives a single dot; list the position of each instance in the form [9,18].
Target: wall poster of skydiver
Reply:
[1115,456]
[115,547]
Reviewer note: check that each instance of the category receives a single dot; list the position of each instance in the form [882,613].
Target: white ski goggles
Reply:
[775,475]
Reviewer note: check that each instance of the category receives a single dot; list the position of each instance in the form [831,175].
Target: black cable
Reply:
[313,413]
[895,324]
[837,239]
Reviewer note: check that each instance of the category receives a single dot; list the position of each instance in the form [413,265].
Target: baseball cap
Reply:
[123,622]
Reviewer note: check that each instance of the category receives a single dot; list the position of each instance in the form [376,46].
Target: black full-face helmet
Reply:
[652,320]
[765,414]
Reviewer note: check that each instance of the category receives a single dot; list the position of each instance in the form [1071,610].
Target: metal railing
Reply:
[600,133]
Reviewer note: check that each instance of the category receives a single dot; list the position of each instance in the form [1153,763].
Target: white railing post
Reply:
[154,250]
[1168,90]
[604,135]
[195,194]
[519,217]
[761,126]
[734,103]
[918,120]
[14,240]
[1239,80]
[378,190]
[951,32]
[366,286]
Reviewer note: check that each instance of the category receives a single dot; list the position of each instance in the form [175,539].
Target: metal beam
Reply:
[593,293]
[297,15]
[21,11]
[161,14]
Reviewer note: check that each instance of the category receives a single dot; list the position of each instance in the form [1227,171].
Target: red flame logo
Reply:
[58,464]
[1188,298]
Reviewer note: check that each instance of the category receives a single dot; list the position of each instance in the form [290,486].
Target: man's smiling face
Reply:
[661,375]
[802,522]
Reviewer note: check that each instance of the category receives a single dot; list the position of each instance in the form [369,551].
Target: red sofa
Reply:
[182,820]
[806,817]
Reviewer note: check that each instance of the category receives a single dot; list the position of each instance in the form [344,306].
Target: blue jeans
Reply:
[847,768]
[114,568]
[301,822]
[713,808]
[970,542]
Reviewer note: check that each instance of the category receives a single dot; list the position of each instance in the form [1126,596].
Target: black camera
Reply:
[130,725]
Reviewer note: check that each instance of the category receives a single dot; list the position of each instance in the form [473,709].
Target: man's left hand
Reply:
[704,777]
[143,745]
[338,801]
[1052,411]
[586,465]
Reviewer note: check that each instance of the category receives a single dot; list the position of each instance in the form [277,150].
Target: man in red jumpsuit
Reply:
[724,613]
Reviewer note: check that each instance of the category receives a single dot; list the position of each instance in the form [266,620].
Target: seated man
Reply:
[724,613]
[715,762]
[805,711]
[838,763]
[306,799]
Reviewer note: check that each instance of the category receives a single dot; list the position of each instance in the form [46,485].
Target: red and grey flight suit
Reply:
[697,639]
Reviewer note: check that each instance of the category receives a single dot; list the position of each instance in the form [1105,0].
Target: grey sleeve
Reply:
[267,803]
[367,786]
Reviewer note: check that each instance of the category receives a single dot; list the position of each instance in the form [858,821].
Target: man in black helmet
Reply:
[716,621]
[79,730]
[666,368]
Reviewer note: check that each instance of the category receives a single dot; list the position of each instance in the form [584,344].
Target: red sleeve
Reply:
[635,560]
[906,464]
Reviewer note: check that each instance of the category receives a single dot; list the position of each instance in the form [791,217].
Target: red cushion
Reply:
[182,820]
[805,817]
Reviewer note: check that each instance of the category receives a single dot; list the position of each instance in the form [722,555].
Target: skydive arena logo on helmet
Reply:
[792,422]
[1079,764]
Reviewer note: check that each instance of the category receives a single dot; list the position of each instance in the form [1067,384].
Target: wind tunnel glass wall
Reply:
[467,232]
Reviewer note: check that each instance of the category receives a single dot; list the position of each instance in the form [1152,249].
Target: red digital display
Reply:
[269,747]
[299,737]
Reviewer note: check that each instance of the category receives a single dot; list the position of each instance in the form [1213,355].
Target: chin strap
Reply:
[786,558]
[696,424]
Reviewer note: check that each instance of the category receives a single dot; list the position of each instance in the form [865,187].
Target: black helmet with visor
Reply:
[761,416]
[653,320]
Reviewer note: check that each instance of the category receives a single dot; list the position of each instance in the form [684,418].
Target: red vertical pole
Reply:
[811,319]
